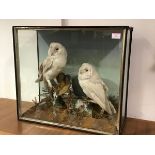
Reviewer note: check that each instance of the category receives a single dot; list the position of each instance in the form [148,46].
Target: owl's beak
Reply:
[53,53]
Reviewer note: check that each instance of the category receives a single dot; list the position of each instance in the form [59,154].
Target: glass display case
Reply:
[73,77]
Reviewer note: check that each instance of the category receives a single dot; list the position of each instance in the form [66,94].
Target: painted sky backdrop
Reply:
[95,47]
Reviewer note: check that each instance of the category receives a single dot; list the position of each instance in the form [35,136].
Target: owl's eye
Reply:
[86,70]
[57,49]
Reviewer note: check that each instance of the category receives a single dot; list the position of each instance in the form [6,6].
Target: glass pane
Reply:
[125,78]
[78,81]
[28,62]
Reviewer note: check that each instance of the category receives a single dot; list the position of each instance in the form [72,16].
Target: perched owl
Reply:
[94,88]
[53,64]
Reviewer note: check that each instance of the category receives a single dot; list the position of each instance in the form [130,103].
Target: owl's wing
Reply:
[96,92]
[40,73]
[41,68]
[104,86]
[100,81]
[47,64]
[44,67]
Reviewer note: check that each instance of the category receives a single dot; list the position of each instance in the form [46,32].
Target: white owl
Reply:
[53,64]
[94,87]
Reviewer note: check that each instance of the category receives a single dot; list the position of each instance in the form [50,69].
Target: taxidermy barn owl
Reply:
[53,64]
[94,87]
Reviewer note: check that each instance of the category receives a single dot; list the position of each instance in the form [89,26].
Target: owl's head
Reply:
[56,49]
[85,71]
